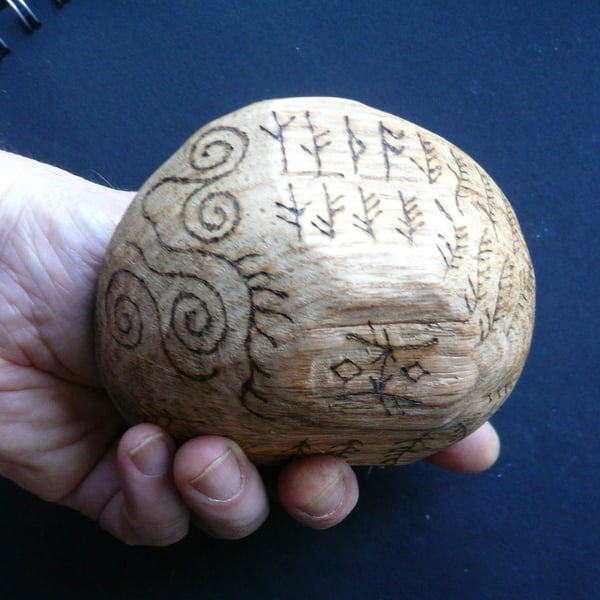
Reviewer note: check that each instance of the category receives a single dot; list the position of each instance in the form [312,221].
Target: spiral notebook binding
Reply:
[25,16]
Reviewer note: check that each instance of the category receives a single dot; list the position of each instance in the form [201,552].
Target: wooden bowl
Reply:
[311,275]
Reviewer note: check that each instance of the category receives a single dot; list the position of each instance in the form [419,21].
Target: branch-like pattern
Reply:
[411,221]
[502,305]
[278,136]
[370,211]
[390,145]
[326,225]
[515,230]
[346,449]
[525,300]
[302,448]
[432,168]
[356,145]
[317,144]
[292,212]
[489,204]
[428,441]
[452,251]
[464,185]
[499,395]
[475,292]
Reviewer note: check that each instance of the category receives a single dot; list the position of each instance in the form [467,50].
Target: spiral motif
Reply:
[182,203]
[212,217]
[218,151]
[126,295]
[200,331]
[198,319]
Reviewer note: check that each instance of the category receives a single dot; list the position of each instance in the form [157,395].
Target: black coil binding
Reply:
[25,16]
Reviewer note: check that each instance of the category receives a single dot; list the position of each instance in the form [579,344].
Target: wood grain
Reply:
[311,275]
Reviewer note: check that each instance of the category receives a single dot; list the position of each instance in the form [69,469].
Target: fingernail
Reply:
[222,479]
[151,456]
[328,500]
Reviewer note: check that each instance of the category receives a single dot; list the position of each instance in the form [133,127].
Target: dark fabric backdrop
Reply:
[108,90]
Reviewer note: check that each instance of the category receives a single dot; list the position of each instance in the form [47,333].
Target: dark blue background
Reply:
[109,89]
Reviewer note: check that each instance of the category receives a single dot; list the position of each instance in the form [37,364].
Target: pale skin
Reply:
[61,438]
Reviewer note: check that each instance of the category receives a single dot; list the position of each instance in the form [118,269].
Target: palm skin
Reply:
[60,436]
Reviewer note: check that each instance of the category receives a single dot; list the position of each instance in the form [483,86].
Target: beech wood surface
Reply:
[312,275]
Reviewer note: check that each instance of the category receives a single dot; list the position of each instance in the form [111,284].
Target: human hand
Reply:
[60,436]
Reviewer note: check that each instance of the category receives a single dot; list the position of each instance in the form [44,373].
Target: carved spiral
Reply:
[197,326]
[206,216]
[199,319]
[212,217]
[127,301]
[181,315]
[218,151]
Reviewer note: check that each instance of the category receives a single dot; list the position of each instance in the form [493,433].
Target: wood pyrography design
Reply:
[311,275]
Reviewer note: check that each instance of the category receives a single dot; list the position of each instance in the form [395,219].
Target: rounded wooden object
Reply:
[311,275]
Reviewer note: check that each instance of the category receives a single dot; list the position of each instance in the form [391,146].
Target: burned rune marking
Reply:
[356,145]
[318,143]
[305,448]
[293,212]
[502,305]
[524,302]
[426,443]
[452,250]
[518,242]
[390,145]
[346,449]
[432,168]
[489,205]
[464,185]
[326,224]
[499,395]
[476,290]
[370,209]
[279,137]
[314,146]
[381,370]
[411,220]
[302,448]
